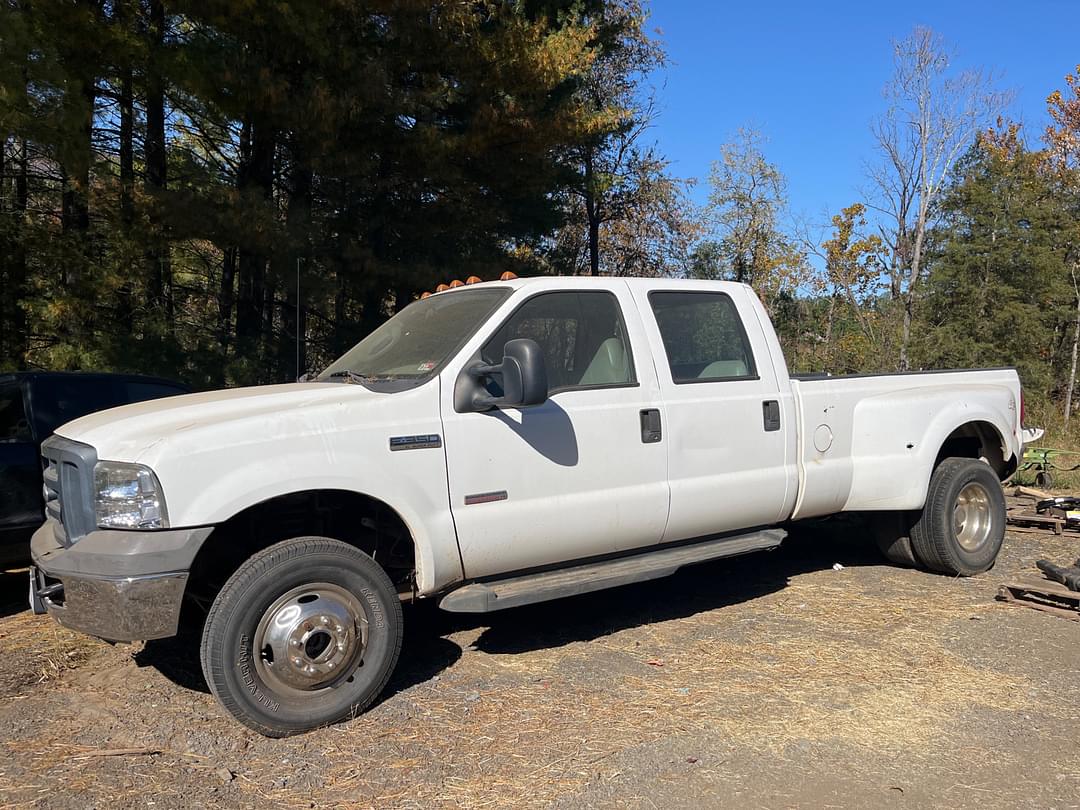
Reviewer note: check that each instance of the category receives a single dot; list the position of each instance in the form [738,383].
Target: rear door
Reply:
[576,476]
[729,423]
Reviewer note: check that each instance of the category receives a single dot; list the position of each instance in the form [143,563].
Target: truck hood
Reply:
[129,432]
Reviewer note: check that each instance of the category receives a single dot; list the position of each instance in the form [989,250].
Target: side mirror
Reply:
[522,374]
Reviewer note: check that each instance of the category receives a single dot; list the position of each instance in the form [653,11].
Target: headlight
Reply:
[128,496]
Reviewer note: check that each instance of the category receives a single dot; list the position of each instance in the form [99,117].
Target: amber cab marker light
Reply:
[426,294]
[456,283]
[472,280]
[509,275]
[442,287]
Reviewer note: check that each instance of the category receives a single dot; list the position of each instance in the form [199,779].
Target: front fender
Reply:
[213,471]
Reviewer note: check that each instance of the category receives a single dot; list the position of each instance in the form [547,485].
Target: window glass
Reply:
[13,424]
[415,343]
[703,336]
[58,400]
[581,334]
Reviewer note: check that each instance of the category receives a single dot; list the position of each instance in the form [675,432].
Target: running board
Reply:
[485,597]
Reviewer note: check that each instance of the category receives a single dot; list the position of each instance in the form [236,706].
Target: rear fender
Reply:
[898,437]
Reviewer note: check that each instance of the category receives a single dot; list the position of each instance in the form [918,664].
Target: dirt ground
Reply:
[770,680]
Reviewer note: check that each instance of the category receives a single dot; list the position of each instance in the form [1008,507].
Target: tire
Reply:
[1044,480]
[304,634]
[962,525]
[892,533]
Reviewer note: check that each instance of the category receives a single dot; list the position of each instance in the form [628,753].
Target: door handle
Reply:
[770,411]
[650,426]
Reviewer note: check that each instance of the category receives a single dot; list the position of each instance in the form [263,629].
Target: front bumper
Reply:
[116,585]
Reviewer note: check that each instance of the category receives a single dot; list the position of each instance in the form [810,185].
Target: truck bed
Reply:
[865,438]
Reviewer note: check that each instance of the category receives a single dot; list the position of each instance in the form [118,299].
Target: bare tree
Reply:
[609,161]
[933,115]
[1063,141]
[747,204]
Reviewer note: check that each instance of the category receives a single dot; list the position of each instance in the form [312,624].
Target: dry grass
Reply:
[44,649]
[854,660]
[816,662]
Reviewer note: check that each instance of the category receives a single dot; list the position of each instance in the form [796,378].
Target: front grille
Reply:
[52,491]
[69,487]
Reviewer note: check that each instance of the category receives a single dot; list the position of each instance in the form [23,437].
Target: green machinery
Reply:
[1046,460]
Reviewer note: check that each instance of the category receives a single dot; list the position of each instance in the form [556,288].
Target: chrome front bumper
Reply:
[120,609]
[111,584]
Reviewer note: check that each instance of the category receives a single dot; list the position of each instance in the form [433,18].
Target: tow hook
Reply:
[38,595]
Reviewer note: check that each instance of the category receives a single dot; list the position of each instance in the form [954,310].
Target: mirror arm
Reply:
[483,402]
[483,370]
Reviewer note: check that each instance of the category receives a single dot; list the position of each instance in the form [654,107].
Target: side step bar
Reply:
[485,597]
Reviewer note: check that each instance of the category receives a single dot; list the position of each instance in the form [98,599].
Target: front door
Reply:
[575,477]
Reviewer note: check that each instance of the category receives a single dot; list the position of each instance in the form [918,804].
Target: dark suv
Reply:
[32,405]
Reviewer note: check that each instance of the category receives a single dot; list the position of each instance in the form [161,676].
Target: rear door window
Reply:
[703,337]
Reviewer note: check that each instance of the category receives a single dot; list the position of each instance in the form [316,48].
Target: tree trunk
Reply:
[14,345]
[226,299]
[592,212]
[829,320]
[76,157]
[158,264]
[905,333]
[292,349]
[255,180]
[75,197]
[1075,345]
[17,276]
[125,305]
[341,297]
[127,122]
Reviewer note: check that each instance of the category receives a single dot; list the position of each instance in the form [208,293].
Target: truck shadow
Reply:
[14,592]
[427,650]
[423,656]
[695,589]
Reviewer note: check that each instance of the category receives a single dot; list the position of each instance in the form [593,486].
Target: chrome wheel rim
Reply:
[972,517]
[310,638]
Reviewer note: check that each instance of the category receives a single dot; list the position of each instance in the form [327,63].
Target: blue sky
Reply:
[809,75]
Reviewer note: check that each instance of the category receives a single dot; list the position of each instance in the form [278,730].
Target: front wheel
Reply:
[962,524]
[305,633]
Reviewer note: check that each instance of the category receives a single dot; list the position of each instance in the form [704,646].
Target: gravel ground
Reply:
[771,680]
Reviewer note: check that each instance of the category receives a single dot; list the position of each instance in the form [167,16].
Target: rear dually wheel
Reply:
[962,525]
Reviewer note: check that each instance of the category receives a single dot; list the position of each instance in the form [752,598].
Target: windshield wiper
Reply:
[350,376]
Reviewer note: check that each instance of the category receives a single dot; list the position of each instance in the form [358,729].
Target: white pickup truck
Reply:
[490,446]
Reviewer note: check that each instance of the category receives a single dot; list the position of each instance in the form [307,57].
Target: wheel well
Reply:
[978,440]
[362,521]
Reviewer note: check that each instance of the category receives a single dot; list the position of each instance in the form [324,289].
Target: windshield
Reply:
[416,342]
